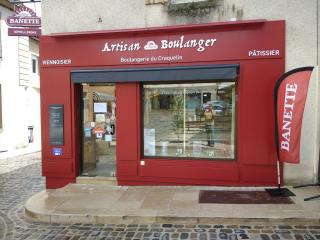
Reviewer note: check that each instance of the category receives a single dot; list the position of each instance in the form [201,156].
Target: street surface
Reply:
[21,177]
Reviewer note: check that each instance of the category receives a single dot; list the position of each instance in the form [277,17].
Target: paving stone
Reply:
[191,226]
[298,237]
[193,235]
[245,227]
[165,236]
[204,226]
[275,236]
[184,235]
[300,231]
[255,237]
[203,236]
[157,234]
[147,234]
[223,235]
[232,226]
[226,230]
[130,234]
[213,235]
[233,237]
[131,229]
[167,225]
[184,230]
[281,231]
[243,236]
[258,227]
[200,230]
[285,227]
[138,235]
[286,236]
[114,234]
[218,226]
[308,237]
[300,227]
[175,235]
[156,230]
[264,237]
[179,226]
[132,225]
[143,229]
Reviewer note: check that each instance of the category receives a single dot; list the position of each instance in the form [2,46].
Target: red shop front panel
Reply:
[258,48]
[60,168]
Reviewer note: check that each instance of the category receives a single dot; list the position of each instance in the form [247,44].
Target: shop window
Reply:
[189,120]
[35,64]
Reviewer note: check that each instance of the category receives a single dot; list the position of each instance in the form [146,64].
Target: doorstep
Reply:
[97,180]
[101,204]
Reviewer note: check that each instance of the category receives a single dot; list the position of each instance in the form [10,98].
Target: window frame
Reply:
[144,157]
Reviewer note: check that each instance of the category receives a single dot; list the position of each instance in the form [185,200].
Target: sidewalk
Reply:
[31,148]
[96,204]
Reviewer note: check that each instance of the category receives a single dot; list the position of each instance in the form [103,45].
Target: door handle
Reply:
[113,129]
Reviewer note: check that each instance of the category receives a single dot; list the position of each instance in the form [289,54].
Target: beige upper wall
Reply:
[302,43]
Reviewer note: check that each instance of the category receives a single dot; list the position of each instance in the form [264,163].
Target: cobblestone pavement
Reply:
[22,178]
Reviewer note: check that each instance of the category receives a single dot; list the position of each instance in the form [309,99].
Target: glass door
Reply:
[98,130]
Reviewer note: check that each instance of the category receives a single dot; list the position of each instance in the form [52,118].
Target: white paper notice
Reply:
[100,107]
[100,117]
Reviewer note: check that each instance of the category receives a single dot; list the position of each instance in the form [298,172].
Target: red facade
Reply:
[257,46]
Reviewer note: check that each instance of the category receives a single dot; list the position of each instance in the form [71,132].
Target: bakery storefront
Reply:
[178,105]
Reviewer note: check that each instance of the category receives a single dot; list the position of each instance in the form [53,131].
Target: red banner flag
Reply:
[290,97]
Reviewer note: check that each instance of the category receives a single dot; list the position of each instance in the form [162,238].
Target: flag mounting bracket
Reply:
[309,185]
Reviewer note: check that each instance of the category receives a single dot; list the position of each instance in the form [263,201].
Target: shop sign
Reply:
[199,44]
[57,151]
[167,47]
[24,32]
[290,93]
[24,17]
[56,124]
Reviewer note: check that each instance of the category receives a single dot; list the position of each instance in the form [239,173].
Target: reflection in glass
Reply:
[189,120]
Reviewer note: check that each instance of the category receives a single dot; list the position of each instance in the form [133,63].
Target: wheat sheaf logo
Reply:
[24,11]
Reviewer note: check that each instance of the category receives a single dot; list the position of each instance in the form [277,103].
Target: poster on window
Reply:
[149,142]
[100,107]
[197,148]
[101,117]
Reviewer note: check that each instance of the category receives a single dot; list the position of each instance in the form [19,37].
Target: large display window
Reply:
[189,120]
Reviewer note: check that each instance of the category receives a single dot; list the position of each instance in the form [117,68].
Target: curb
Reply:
[133,219]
